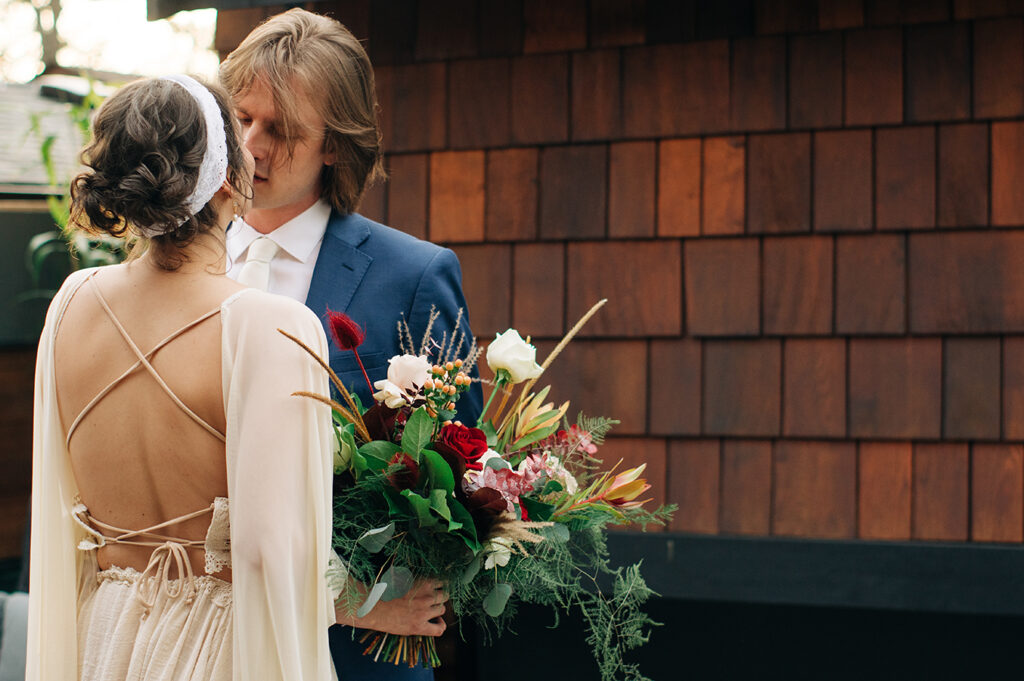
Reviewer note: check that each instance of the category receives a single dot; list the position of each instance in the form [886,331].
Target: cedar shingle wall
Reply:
[807,217]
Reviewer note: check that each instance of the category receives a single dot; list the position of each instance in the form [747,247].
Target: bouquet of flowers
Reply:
[510,510]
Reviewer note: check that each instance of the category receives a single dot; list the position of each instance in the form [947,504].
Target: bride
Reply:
[180,494]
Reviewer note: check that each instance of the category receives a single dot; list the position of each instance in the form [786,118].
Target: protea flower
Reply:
[625,487]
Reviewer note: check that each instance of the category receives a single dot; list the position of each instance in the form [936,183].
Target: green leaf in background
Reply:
[421,507]
[399,580]
[473,569]
[535,436]
[537,510]
[439,503]
[446,415]
[490,432]
[375,539]
[380,450]
[398,505]
[495,601]
[497,463]
[439,473]
[419,429]
[551,486]
[467,529]
[371,600]
[556,533]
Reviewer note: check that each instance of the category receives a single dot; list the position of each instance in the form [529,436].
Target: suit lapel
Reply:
[341,266]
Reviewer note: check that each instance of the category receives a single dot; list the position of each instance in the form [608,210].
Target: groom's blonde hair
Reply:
[298,54]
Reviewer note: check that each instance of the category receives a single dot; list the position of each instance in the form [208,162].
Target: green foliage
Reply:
[563,573]
[597,426]
[419,431]
[51,256]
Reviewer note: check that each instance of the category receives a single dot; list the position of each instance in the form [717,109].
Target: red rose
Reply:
[407,477]
[461,443]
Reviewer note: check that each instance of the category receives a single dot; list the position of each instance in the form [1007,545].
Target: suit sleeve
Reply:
[440,286]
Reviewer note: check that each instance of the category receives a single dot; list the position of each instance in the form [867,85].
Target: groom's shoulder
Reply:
[389,238]
[387,243]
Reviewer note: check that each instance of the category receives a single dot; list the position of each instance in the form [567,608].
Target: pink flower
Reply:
[507,482]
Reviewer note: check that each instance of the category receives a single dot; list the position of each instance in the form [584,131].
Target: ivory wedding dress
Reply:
[165,623]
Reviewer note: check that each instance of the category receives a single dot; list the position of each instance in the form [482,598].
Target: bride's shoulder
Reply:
[252,307]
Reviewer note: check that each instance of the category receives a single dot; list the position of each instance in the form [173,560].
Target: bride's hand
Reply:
[418,612]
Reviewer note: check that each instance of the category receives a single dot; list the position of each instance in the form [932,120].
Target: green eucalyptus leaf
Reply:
[557,533]
[497,463]
[419,429]
[497,599]
[375,539]
[473,569]
[371,599]
[399,580]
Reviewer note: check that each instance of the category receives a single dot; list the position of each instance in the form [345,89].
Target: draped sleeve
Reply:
[56,568]
[279,449]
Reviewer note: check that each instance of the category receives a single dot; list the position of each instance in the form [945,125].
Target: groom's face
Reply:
[283,182]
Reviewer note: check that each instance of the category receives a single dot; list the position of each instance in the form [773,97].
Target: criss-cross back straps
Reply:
[144,361]
[147,536]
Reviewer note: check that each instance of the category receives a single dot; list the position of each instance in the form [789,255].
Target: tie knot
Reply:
[262,250]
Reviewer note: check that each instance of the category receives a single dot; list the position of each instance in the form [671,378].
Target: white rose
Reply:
[406,375]
[510,352]
[408,372]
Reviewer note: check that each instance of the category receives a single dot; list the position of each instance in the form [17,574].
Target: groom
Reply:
[304,95]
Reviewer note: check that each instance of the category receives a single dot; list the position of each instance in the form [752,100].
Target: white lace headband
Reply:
[214,168]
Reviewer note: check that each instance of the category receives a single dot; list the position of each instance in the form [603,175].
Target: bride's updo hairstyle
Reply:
[148,144]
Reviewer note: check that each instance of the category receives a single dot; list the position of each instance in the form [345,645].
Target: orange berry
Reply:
[458,364]
[449,366]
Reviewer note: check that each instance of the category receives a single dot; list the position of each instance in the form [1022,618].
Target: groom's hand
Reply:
[418,612]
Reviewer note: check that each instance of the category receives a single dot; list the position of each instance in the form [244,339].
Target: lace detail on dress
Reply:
[218,538]
[218,589]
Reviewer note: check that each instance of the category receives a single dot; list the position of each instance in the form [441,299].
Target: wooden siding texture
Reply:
[808,218]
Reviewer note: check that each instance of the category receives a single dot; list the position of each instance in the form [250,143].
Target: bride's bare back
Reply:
[139,459]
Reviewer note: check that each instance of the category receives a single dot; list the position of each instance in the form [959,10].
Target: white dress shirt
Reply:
[299,240]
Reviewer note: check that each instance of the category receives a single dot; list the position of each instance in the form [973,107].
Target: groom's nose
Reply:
[257,141]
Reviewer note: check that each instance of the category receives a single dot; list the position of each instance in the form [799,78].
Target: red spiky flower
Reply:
[346,333]
[348,336]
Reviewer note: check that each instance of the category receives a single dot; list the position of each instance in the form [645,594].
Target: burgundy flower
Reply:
[408,476]
[465,445]
[346,333]
[485,501]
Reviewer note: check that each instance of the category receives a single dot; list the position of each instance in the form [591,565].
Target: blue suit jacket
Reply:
[378,276]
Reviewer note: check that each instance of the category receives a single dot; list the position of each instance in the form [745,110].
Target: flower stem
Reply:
[498,384]
[365,376]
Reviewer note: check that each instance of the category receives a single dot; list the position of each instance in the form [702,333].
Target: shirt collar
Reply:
[298,237]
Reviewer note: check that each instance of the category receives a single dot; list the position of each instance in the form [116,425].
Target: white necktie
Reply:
[256,271]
